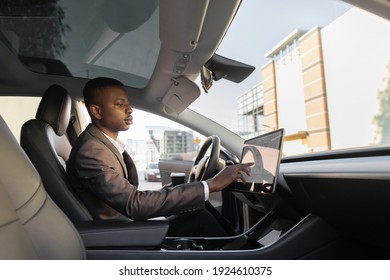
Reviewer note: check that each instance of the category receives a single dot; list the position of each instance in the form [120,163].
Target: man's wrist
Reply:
[206,190]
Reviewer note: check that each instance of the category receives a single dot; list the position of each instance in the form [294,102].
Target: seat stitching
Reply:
[9,222]
[29,201]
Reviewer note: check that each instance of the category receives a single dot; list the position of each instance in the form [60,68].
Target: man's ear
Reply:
[95,111]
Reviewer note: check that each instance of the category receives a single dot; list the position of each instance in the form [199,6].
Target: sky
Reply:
[259,25]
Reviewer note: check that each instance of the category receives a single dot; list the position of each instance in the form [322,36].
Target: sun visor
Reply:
[180,95]
[181,23]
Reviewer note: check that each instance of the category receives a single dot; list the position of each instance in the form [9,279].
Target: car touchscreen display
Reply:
[265,152]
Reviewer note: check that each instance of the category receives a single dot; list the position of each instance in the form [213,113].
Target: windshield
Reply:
[322,74]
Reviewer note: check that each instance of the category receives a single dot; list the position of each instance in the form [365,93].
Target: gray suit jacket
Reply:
[97,172]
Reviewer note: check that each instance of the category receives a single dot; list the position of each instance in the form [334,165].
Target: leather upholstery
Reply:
[44,141]
[54,109]
[31,225]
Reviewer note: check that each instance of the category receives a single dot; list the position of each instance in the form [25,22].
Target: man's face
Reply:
[113,111]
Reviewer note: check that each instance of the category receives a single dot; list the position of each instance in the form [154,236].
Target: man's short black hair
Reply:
[96,84]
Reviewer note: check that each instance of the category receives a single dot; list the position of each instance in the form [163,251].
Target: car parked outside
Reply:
[152,172]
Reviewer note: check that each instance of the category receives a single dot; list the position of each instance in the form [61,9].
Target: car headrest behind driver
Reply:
[55,108]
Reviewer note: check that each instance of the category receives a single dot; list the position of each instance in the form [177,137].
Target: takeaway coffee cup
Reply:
[178,178]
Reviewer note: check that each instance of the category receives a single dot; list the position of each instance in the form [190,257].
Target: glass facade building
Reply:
[251,112]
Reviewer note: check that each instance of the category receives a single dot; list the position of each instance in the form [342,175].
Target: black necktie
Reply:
[132,174]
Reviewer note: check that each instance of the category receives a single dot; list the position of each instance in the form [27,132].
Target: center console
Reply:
[265,232]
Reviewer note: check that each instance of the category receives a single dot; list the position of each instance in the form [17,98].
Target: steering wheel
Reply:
[205,166]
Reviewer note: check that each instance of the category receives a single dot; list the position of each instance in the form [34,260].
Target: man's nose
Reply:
[129,109]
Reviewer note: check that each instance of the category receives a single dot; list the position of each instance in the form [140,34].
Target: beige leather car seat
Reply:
[31,225]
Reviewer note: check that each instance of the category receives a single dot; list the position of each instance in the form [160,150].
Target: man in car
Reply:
[105,177]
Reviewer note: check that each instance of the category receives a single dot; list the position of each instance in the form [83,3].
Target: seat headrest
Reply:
[55,108]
